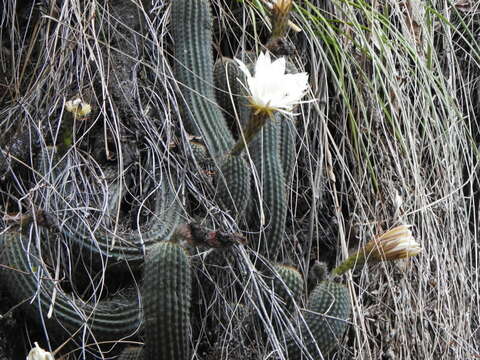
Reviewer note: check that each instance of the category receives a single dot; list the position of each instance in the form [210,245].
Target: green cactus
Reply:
[132,353]
[273,200]
[27,278]
[166,293]
[192,34]
[272,151]
[287,146]
[200,155]
[288,286]
[201,113]
[231,93]
[166,303]
[231,185]
[127,247]
[328,310]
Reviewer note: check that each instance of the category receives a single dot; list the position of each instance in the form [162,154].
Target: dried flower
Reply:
[78,107]
[37,353]
[396,243]
[271,89]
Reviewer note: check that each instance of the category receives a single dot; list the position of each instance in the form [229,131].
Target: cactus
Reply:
[166,293]
[231,185]
[264,151]
[166,302]
[122,247]
[194,73]
[289,286]
[26,278]
[273,155]
[287,147]
[272,151]
[230,93]
[326,317]
[201,113]
[132,353]
[127,247]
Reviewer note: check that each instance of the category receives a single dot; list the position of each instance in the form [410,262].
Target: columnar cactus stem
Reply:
[132,353]
[27,278]
[166,301]
[191,30]
[289,287]
[326,317]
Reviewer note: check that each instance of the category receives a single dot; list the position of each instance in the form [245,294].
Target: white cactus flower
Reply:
[78,107]
[37,353]
[270,89]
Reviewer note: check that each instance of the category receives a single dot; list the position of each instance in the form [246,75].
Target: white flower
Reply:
[78,107]
[37,353]
[270,88]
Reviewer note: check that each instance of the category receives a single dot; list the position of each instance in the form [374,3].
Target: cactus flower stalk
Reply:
[396,243]
[280,14]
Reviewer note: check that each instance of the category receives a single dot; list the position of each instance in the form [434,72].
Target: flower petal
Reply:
[262,66]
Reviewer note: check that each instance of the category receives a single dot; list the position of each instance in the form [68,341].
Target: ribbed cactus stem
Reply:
[273,199]
[132,353]
[166,297]
[26,278]
[286,152]
[289,286]
[325,322]
[230,93]
[192,33]
[233,184]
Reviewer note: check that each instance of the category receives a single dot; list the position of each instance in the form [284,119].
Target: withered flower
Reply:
[78,107]
[396,243]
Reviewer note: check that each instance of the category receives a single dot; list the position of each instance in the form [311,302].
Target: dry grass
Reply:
[392,138]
